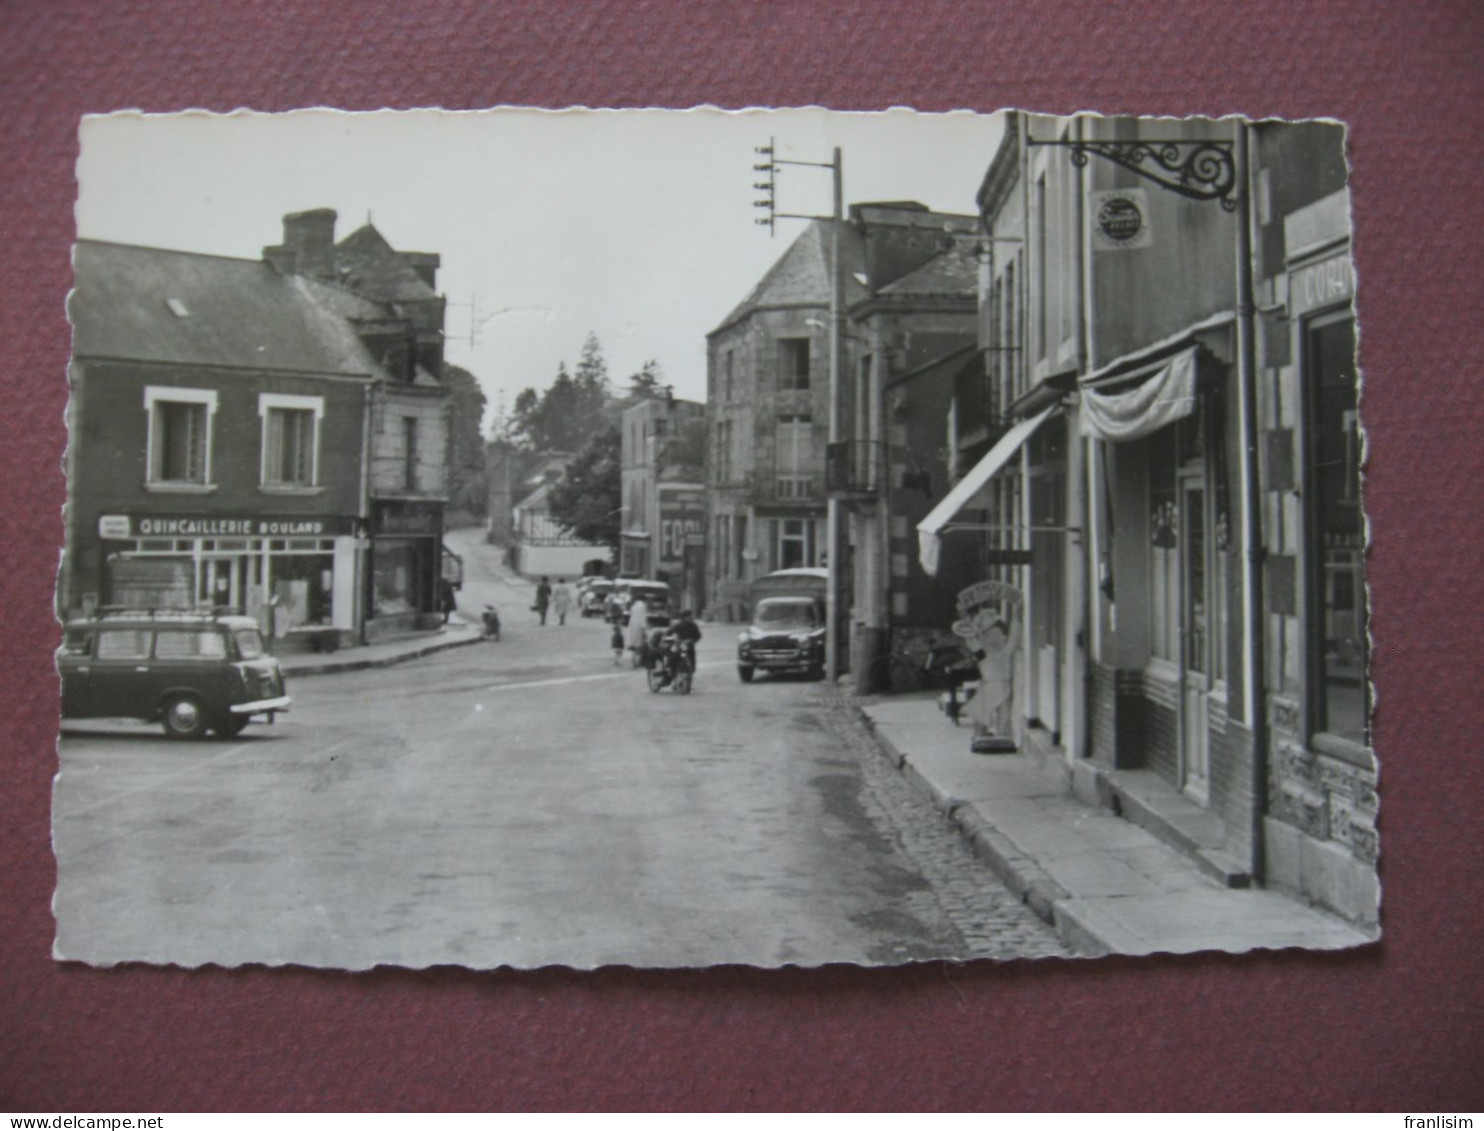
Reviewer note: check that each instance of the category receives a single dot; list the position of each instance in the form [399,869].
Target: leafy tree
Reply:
[587,501]
[467,488]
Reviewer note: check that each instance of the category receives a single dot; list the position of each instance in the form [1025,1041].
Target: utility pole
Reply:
[836,220]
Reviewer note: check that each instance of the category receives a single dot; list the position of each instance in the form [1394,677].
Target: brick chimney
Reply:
[309,240]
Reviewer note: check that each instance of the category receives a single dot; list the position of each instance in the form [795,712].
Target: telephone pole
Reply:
[836,221]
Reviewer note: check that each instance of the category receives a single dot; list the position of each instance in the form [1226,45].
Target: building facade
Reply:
[229,418]
[1171,382]
[664,495]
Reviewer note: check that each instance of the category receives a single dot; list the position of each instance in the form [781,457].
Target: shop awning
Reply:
[930,529]
[1166,395]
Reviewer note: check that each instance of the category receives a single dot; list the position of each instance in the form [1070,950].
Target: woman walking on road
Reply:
[561,601]
[543,599]
[638,634]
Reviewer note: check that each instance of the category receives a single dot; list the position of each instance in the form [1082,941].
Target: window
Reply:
[409,453]
[190,646]
[728,374]
[124,644]
[795,546]
[290,440]
[793,363]
[1338,629]
[795,456]
[179,443]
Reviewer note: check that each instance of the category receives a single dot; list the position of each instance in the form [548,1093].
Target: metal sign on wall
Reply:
[1119,219]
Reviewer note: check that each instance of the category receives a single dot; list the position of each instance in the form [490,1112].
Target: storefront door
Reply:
[1195,611]
[223,581]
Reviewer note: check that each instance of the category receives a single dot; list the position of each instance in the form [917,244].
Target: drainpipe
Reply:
[1256,697]
[363,553]
[832,505]
[1075,668]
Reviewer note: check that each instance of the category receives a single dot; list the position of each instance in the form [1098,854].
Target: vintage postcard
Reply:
[673,538]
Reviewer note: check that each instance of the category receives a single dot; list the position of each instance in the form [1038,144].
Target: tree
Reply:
[573,409]
[467,487]
[647,382]
[588,499]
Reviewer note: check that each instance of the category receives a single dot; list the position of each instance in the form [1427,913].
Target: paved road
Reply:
[523,803]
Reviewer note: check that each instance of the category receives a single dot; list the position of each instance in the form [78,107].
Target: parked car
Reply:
[656,594]
[787,633]
[190,670]
[592,595]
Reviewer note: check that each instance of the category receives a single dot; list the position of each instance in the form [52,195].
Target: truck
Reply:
[787,633]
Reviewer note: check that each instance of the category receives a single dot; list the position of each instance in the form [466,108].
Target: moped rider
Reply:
[684,634]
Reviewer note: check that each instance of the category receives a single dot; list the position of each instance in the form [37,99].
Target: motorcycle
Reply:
[491,620]
[670,665]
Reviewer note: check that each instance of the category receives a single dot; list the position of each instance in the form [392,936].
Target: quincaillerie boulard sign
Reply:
[120,526]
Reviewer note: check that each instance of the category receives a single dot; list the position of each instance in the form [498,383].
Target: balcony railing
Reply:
[784,489]
[854,468]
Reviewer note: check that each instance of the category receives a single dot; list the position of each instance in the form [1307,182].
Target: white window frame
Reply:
[269,402]
[154,396]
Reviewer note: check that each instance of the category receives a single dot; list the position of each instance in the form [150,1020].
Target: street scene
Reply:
[881,538]
[521,803]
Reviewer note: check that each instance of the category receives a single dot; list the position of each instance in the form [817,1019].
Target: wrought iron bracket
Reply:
[1198,169]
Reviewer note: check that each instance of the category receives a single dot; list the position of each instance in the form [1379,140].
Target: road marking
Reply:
[560,681]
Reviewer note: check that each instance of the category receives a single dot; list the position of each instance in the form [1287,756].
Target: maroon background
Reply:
[1392,1026]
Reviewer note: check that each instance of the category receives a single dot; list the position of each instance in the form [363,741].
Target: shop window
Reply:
[179,442]
[1164,548]
[793,363]
[1337,627]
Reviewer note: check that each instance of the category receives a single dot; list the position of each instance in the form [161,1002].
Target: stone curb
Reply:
[1018,871]
[335,667]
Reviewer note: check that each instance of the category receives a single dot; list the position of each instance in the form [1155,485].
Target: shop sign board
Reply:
[682,523]
[408,518]
[1120,219]
[1325,283]
[124,526]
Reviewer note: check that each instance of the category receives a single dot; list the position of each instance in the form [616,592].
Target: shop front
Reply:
[294,574]
[406,562]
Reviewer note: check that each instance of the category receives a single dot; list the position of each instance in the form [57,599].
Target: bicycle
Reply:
[923,662]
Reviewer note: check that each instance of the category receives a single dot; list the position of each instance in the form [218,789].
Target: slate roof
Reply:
[801,275]
[371,266]
[953,272]
[152,304]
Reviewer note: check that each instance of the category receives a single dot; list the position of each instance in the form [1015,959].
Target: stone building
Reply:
[1170,370]
[256,433]
[663,533]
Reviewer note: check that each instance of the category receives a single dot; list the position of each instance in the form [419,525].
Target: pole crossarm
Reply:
[1198,169]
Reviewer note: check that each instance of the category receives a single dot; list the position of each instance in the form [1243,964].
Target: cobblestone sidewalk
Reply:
[992,922]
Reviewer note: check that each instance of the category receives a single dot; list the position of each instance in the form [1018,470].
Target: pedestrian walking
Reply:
[638,634]
[446,603]
[561,601]
[543,599]
[616,643]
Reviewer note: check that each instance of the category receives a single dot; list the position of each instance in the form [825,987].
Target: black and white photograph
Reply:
[678,538]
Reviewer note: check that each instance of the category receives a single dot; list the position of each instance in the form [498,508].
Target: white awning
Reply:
[1161,398]
[930,529]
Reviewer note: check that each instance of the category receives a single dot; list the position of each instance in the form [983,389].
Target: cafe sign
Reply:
[1120,219]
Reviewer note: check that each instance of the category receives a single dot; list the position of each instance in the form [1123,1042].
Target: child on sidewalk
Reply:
[616,642]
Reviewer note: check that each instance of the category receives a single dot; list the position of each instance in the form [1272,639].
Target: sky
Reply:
[636,225]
